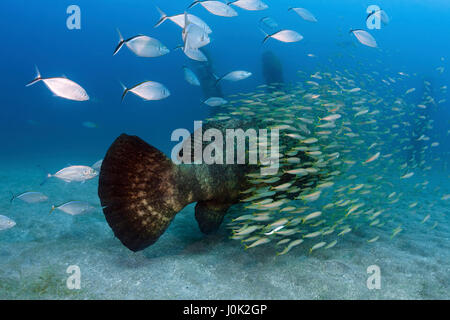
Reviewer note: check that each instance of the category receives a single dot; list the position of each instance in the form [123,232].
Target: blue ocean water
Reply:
[42,133]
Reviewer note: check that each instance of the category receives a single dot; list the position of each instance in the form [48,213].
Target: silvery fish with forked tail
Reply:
[62,87]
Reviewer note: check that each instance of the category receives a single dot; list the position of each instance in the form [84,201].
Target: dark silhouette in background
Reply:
[272,70]
[208,81]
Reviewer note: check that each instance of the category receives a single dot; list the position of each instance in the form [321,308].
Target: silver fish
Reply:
[31,197]
[179,20]
[216,7]
[74,208]
[75,173]
[215,102]
[235,76]
[142,46]
[365,38]
[284,36]
[6,223]
[195,54]
[90,125]
[304,14]
[194,36]
[190,76]
[148,90]
[251,5]
[269,22]
[62,87]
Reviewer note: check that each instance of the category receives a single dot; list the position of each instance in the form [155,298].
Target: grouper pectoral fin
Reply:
[210,214]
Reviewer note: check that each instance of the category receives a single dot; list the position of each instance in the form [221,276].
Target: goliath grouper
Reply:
[141,190]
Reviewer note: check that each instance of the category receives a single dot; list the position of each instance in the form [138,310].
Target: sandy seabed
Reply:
[185,264]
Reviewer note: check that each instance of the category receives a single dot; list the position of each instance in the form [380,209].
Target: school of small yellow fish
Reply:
[362,153]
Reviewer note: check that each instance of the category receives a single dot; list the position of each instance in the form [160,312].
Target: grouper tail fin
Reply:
[138,191]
